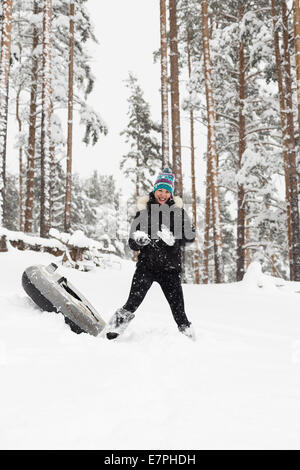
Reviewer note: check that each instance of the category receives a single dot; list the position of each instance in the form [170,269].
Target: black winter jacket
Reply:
[157,255]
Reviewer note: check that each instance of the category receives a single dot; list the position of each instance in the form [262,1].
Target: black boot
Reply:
[118,323]
[188,331]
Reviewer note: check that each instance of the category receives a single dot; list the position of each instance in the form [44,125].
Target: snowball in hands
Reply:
[166,235]
[141,238]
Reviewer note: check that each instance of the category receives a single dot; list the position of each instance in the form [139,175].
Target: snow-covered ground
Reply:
[237,386]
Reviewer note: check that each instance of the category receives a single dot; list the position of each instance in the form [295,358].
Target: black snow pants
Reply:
[170,283]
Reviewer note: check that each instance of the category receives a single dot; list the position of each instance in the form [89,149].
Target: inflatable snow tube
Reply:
[53,293]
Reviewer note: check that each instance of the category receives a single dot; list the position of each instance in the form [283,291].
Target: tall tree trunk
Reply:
[52,184]
[281,94]
[175,104]
[211,118]
[29,204]
[52,162]
[207,213]
[290,137]
[21,219]
[46,121]
[297,60]
[18,118]
[247,240]
[242,147]
[164,84]
[4,87]
[274,269]
[297,53]
[70,120]
[196,255]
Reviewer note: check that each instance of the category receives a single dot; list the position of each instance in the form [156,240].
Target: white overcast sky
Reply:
[128,33]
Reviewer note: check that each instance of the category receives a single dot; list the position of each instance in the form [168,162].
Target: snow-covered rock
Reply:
[256,278]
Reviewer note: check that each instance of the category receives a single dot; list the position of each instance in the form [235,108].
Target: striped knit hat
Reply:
[165,180]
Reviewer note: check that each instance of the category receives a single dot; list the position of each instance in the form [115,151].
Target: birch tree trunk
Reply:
[175,104]
[242,147]
[281,94]
[290,138]
[70,120]
[46,121]
[211,118]
[164,84]
[4,87]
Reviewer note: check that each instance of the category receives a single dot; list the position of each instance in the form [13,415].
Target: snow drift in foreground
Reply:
[237,386]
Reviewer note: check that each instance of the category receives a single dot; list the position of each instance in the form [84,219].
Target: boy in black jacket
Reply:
[159,230]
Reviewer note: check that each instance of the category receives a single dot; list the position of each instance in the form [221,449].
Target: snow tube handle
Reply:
[51,268]
[61,280]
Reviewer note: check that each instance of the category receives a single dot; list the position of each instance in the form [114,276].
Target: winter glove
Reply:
[166,236]
[141,238]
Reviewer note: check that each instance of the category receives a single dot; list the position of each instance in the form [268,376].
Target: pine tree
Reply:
[21,170]
[196,256]
[28,32]
[175,100]
[296,8]
[291,147]
[164,84]
[70,119]
[207,220]
[12,202]
[242,147]
[4,87]
[213,146]
[141,163]
[247,113]
[47,107]
[18,85]
[29,203]
[282,105]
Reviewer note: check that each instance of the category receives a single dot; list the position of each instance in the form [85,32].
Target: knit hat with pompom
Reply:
[165,180]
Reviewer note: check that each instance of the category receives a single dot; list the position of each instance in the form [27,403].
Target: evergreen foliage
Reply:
[250,134]
[261,168]
[143,160]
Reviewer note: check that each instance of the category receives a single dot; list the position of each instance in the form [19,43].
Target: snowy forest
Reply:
[113,335]
[230,67]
